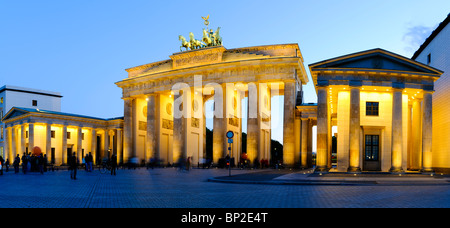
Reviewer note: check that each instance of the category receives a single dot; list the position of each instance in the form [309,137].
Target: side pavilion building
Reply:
[381,104]
[60,134]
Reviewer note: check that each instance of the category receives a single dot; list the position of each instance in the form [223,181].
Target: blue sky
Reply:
[81,48]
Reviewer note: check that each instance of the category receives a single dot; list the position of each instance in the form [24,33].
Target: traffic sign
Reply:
[230,134]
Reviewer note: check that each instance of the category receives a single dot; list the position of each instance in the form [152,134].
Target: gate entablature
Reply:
[271,63]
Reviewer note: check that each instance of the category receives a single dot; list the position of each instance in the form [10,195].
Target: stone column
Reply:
[22,139]
[7,139]
[253,122]
[179,128]
[289,123]
[397,133]
[220,124]
[204,127]
[309,142]
[416,138]
[152,128]
[94,145]
[64,145]
[128,129]
[354,130]
[111,143]
[119,145]
[304,143]
[48,141]
[30,137]
[13,150]
[79,143]
[322,129]
[105,144]
[427,132]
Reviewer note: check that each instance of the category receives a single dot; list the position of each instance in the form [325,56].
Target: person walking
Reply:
[16,164]
[113,164]
[73,166]
[89,161]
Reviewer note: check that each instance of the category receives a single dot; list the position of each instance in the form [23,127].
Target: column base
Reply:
[396,170]
[427,170]
[321,169]
[354,170]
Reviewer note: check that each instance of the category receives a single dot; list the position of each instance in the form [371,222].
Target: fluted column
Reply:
[220,124]
[64,144]
[354,130]
[427,132]
[105,145]
[289,123]
[22,139]
[94,145]
[7,139]
[13,150]
[322,129]
[79,143]
[30,137]
[179,128]
[48,141]
[304,143]
[152,128]
[397,131]
[416,137]
[119,145]
[253,121]
[128,129]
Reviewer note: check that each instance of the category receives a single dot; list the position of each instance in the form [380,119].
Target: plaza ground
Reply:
[212,188]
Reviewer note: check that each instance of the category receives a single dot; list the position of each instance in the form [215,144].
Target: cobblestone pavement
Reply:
[169,188]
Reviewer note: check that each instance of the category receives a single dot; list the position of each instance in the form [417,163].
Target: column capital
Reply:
[397,89]
[355,84]
[398,85]
[150,95]
[428,92]
[128,98]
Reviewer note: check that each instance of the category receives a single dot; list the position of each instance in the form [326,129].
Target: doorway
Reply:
[69,153]
[372,153]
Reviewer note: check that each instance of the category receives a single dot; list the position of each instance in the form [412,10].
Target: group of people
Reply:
[88,160]
[30,163]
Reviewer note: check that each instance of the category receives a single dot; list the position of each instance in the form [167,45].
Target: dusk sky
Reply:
[81,48]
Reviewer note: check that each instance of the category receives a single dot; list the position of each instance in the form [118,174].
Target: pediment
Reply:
[14,112]
[376,59]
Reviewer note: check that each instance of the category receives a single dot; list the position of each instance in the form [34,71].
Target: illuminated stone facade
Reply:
[164,102]
[435,52]
[59,134]
[381,104]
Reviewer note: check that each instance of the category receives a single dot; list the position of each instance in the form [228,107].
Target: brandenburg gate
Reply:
[164,102]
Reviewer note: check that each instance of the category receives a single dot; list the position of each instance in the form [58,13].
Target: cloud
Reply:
[416,36]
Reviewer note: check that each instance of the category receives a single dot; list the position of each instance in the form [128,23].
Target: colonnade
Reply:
[225,119]
[56,140]
[418,121]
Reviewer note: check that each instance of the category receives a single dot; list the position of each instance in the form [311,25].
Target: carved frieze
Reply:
[230,74]
[167,124]
[195,122]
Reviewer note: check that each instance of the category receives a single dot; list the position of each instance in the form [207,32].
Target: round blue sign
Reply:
[230,134]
